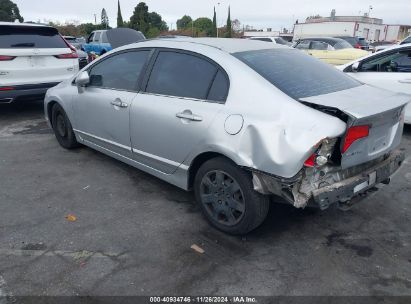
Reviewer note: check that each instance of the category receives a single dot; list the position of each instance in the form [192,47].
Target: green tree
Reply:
[184,22]
[120,22]
[205,25]
[229,26]
[214,32]
[153,32]
[9,11]
[140,19]
[104,18]
[156,21]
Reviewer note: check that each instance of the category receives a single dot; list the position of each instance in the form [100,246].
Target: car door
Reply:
[102,109]
[183,94]
[390,71]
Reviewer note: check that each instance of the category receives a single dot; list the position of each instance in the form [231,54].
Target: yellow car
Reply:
[334,51]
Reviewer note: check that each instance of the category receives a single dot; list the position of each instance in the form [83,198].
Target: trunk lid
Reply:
[382,111]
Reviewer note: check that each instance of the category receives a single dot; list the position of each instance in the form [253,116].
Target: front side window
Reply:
[182,75]
[97,37]
[120,71]
[296,74]
[394,62]
[90,38]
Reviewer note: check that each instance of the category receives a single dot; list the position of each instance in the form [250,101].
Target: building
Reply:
[261,33]
[372,29]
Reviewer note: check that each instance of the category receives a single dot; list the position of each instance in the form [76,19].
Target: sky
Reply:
[257,13]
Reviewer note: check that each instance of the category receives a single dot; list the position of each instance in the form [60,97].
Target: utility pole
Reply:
[218,9]
[95,19]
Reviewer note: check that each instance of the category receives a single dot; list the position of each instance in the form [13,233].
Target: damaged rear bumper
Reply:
[351,187]
[332,187]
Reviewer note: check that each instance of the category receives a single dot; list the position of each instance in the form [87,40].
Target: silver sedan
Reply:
[237,121]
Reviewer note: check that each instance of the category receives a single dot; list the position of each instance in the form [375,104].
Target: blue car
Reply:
[97,43]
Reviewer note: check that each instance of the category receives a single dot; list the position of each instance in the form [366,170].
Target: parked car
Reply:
[97,43]
[380,45]
[389,69]
[388,45]
[33,58]
[334,51]
[275,40]
[406,40]
[356,42]
[238,121]
[101,42]
[77,43]
[74,41]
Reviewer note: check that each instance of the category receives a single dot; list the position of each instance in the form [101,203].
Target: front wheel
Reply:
[227,198]
[62,128]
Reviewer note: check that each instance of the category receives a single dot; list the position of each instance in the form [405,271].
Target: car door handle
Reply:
[189,116]
[119,103]
[405,81]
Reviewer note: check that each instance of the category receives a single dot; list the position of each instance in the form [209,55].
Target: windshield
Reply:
[295,73]
[30,37]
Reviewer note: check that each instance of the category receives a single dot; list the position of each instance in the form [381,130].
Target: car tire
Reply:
[62,128]
[233,207]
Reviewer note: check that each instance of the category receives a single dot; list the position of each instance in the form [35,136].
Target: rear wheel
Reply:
[226,196]
[62,128]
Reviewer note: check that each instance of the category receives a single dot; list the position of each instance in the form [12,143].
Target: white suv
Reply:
[33,58]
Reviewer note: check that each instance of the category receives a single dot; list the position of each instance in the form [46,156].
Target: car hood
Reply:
[122,36]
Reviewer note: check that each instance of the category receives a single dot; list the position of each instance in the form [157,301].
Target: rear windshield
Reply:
[30,37]
[351,40]
[297,74]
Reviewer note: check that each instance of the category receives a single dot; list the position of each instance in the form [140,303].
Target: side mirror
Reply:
[355,67]
[83,79]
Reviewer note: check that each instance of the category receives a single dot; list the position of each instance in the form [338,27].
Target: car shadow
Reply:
[22,110]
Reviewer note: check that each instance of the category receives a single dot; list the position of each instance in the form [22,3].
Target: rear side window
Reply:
[30,37]
[183,75]
[295,73]
[219,89]
[303,45]
[120,72]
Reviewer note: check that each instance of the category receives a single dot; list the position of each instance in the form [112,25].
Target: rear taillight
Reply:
[6,88]
[353,134]
[357,46]
[72,55]
[6,58]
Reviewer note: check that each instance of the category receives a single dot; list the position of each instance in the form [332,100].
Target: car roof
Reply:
[324,39]
[229,45]
[24,24]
